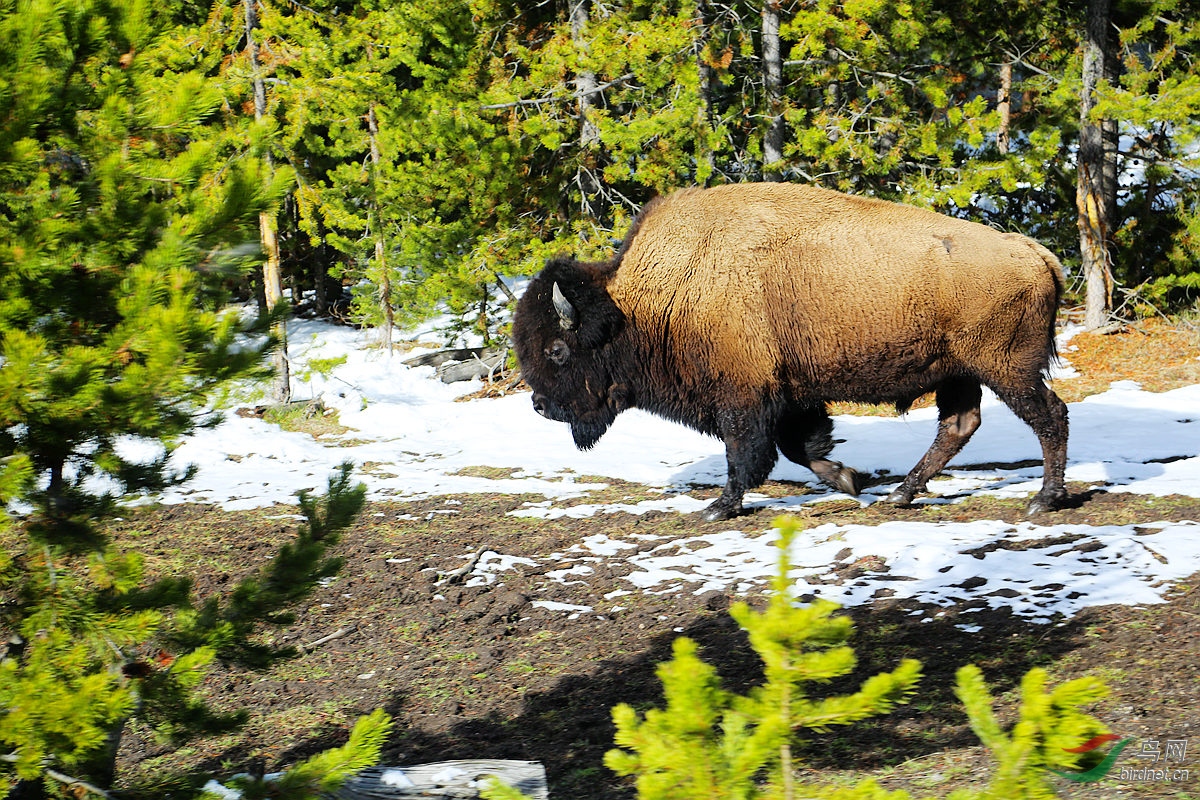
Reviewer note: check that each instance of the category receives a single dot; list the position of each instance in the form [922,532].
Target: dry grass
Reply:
[1159,354]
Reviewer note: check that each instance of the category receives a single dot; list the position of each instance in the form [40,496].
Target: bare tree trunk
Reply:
[481,320]
[1110,133]
[592,202]
[1095,195]
[268,226]
[1004,106]
[773,86]
[273,290]
[707,78]
[385,279]
[320,277]
[385,294]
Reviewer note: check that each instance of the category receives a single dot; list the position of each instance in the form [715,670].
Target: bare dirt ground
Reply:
[483,672]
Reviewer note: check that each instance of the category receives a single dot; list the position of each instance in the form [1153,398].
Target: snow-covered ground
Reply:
[410,439]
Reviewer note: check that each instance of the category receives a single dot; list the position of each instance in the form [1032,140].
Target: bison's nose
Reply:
[550,409]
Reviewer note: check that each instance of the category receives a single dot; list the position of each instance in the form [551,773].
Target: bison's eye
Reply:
[558,352]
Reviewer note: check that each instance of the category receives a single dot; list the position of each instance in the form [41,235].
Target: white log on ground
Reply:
[444,779]
[462,364]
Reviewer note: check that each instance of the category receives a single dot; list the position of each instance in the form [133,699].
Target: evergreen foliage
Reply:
[125,207]
[94,648]
[425,152]
[433,150]
[226,624]
[1049,726]
[496,790]
[506,152]
[1158,102]
[709,743]
[107,327]
[322,774]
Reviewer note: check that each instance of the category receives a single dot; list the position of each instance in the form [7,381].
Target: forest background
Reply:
[421,152]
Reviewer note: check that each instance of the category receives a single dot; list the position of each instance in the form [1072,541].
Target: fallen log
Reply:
[484,367]
[439,357]
[461,364]
[449,780]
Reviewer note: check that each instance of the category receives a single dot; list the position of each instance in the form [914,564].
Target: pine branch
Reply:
[503,287]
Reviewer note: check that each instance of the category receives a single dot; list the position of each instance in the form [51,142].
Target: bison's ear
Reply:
[581,304]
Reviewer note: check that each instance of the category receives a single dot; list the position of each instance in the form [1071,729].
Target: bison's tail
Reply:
[1056,273]
[1055,270]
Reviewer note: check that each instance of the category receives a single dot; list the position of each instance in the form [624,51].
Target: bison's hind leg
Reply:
[958,417]
[805,436]
[1046,413]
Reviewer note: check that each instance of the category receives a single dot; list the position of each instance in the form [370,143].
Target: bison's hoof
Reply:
[719,510]
[1041,503]
[849,481]
[900,496]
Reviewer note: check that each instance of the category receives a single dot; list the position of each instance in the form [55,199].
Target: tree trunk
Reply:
[481,320]
[1004,107]
[1095,194]
[320,278]
[707,79]
[773,88]
[590,190]
[281,389]
[385,280]
[268,227]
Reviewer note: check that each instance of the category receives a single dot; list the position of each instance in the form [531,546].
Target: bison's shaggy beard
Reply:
[586,431]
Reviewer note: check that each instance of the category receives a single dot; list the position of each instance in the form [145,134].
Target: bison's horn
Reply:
[566,311]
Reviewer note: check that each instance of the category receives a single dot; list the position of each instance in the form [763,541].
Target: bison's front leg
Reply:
[749,453]
[958,418]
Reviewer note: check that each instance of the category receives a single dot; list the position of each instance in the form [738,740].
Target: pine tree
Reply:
[1157,101]
[234,51]
[115,220]
[1050,726]
[322,774]
[707,742]
[441,148]
[337,122]
[268,222]
[1096,195]
[120,215]
[97,646]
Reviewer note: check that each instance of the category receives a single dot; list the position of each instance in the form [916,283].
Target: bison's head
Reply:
[564,331]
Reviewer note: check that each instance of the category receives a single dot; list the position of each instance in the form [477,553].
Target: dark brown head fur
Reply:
[568,367]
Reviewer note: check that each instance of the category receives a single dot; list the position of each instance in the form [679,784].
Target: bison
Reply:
[743,310]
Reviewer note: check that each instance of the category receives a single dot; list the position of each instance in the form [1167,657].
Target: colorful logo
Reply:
[1100,770]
